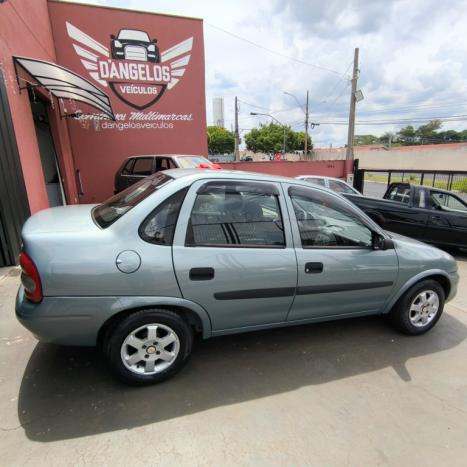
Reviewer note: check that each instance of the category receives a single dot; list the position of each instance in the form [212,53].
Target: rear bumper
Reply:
[64,320]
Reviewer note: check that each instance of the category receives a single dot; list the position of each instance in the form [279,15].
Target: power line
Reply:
[275,52]
[451,118]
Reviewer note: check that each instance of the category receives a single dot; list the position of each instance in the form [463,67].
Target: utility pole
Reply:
[350,136]
[306,125]
[237,134]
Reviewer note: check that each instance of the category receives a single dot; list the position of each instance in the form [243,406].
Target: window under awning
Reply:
[64,84]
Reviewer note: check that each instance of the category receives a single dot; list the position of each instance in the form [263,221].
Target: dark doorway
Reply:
[52,178]
[14,206]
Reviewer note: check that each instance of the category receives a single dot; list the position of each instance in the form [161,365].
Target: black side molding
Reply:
[255,293]
[315,289]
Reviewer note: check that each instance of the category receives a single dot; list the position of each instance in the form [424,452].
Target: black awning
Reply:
[65,84]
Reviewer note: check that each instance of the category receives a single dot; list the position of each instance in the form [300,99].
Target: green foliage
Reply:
[220,140]
[270,138]
[408,136]
[365,140]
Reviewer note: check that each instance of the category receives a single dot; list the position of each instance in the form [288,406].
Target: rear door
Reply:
[233,252]
[339,272]
[142,167]
[447,219]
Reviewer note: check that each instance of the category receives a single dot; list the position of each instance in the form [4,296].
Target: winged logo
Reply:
[132,67]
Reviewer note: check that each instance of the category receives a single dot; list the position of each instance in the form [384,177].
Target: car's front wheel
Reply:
[148,346]
[419,308]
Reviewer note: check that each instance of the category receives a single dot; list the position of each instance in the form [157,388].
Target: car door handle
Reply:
[313,268]
[201,274]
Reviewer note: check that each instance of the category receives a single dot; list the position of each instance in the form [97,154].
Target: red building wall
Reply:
[99,150]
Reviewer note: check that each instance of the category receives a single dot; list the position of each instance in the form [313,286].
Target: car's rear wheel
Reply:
[420,308]
[148,346]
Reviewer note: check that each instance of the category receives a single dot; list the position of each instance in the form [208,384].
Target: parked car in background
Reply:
[334,184]
[422,212]
[186,252]
[135,168]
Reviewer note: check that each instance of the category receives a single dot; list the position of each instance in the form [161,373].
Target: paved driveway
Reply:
[353,392]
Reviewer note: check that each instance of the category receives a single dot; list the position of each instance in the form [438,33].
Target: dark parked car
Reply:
[425,213]
[135,168]
[131,44]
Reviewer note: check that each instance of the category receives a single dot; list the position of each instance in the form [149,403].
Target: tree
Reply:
[429,130]
[220,140]
[407,134]
[365,140]
[270,138]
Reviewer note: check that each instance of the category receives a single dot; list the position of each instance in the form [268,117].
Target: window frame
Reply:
[275,189]
[374,230]
[447,208]
[130,162]
[136,161]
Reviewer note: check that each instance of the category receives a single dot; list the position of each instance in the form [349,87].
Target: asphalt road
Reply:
[374,189]
[351,392]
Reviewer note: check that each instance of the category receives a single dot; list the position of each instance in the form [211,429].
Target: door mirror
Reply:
[382,243]
[112,36]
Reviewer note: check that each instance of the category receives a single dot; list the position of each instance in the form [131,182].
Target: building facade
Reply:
[82,88]
[218,111]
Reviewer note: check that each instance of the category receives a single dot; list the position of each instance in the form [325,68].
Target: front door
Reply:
[233,253]
[339,271]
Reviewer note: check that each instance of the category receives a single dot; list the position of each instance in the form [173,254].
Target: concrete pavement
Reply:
[353,392]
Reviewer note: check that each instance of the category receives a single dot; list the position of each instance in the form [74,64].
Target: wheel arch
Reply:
[194,314]
[435,274]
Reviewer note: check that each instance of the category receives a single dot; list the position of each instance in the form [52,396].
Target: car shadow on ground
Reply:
[67,392]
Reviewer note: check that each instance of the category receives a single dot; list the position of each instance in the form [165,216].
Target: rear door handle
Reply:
[201,274]
[313,268]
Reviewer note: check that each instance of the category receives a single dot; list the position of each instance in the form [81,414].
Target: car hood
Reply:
[403,238]
[76,218]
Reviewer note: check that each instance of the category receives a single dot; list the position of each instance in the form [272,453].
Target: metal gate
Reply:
[14,207]
[375,182]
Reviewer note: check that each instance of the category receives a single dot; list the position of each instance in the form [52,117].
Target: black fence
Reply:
[375,182]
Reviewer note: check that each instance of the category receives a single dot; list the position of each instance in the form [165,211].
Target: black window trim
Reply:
[331,247]
[130,161]
[274,190]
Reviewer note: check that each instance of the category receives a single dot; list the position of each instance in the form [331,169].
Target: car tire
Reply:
[419,309]
[148,346]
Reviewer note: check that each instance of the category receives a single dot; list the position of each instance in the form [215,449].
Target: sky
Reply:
[413,60]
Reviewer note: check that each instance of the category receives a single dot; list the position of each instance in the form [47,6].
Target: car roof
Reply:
[232,174]
[299,177]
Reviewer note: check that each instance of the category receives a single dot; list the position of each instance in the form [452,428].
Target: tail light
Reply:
[30,278]
[209,166]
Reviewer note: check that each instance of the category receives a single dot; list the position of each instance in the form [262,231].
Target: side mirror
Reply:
[155,41]
[112,36]
[382,243]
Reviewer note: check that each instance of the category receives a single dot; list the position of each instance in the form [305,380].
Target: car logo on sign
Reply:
[133,67]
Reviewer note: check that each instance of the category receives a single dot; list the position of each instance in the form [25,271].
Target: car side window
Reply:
[143,166]
[400,193]
[440,200]
[324,221]
[316,181]
[339,187]
[128,167]
[159,226]
[236,214]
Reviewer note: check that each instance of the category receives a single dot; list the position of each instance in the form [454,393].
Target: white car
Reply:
[332,183]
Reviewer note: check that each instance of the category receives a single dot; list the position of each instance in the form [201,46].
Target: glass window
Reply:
[316,181]
[192,162]
[445,200]
[164,163]
[340,187]
[143,166]
[128,167]
[234,214]
[400,193]
[325,221]
[111,210]
[159,226]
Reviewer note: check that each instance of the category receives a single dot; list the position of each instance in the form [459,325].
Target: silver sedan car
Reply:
[190,252]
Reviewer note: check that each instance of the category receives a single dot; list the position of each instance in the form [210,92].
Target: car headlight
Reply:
[152,48]
[117,43]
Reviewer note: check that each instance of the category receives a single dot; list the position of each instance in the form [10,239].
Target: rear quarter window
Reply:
[108,212]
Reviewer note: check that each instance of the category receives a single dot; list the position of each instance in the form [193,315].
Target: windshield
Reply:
[191,162]
[111,210]
[132,35]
